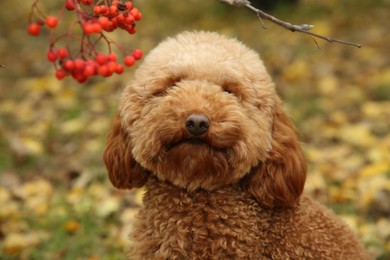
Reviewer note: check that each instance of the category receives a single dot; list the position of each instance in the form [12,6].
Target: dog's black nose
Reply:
[197,124]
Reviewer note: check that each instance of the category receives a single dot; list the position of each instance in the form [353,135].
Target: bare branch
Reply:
[303,28]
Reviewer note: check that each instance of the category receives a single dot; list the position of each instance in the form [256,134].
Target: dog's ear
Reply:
[279,181]
[123,170]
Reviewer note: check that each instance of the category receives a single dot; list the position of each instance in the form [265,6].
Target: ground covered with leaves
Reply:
[55,199]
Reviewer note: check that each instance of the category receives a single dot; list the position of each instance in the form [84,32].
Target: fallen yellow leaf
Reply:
[72,226]
[107,206]
[328,85]
[377,168]
[296,71]
[359,135]
[16,242]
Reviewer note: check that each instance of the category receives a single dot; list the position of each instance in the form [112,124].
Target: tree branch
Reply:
[303,28]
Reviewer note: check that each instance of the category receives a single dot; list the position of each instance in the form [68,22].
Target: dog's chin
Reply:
[194,163]
[195,142]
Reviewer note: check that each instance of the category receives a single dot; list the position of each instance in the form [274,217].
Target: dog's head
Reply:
[202,112]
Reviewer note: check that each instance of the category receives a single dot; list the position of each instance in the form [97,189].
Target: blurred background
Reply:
[55,198]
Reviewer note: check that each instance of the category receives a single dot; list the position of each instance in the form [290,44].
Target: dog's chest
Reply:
[197,225]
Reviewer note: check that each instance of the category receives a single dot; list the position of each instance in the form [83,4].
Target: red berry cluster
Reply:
[81,70]
[108,18]
[96,18]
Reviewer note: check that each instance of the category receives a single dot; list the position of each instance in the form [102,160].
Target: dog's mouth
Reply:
[191,141]
[194,141]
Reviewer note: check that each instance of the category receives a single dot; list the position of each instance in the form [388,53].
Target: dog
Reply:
[202,129]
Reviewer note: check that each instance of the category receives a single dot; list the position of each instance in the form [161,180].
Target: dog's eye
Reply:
[165,85]
[159,93]
[227,90]
[172,81]
[230,88]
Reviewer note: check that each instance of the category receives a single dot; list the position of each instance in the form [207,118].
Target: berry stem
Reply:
[35,7]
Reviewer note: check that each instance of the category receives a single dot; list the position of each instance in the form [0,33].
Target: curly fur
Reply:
[232,193]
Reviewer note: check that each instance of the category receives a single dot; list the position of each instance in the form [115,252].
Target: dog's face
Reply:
[199,113]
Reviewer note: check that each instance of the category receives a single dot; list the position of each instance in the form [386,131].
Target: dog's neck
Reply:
[156,188]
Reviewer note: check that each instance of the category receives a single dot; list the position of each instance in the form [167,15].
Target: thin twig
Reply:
[303,28]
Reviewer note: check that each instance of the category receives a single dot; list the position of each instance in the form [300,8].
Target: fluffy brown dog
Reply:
[202,129]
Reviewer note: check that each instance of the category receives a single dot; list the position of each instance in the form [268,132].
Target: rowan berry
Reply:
[68,65]
[89,70]
[97,28]
[129,5]
[120,18]
[62,53]
[119,69]
[129,19]
[136,13]
[111,66]
[79,76]
[103,9]
[104,21]
[112,57]
[114,22]
[101,59]
[91,27]
[88,27]
[137,54]
[34,29]
[51,21]
[97,10]
[79,64]
[131,30]
[86,2]
[129,61]
[102,70]
[70,5]
[60,74]
[110,27]
[51,55]
[113,10]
